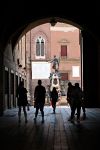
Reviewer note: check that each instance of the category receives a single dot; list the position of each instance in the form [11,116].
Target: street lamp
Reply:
[53,21]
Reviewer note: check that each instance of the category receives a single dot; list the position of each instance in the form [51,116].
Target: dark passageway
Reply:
[56,133]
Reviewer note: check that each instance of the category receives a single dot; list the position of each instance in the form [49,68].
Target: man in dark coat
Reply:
[39,99]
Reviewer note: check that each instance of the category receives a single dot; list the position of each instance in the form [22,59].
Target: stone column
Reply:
[1,83]
[98,75]
[90,69]
[28,66]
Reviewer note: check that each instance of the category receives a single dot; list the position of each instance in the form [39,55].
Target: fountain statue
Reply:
[55,75]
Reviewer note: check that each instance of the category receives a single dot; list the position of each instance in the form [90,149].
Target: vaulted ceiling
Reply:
[17,15]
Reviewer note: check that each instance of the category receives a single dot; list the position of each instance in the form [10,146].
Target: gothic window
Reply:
[40,47]
[37,48]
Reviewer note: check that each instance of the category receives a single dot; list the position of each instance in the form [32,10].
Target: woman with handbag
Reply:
[54,98]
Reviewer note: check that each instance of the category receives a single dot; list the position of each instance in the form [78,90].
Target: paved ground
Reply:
[56,133]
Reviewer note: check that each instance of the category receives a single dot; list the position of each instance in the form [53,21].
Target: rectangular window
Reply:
[64,76]
[75,71]
[63,51]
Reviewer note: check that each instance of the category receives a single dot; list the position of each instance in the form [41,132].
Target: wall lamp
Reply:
[53,21]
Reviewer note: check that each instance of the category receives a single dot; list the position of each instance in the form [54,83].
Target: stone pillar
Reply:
[1,84]
[99,75]
[81,58]
[90,69]
[28,66]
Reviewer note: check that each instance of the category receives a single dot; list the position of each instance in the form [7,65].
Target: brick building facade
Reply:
[45,41]
[40,44]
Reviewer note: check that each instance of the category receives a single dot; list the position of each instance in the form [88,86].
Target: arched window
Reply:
[37,48]
[40,47]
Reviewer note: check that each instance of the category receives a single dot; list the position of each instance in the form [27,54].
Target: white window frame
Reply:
[40,38]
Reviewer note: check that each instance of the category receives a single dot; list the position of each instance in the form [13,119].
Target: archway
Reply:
[88,47]
[63,43]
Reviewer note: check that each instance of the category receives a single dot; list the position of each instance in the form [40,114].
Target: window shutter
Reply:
[63,50]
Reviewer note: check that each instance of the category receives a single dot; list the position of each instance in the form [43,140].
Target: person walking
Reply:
[54,98]
[70,96]
[39,99]
[22,102]
[83,106]
[76,104]
[69,93]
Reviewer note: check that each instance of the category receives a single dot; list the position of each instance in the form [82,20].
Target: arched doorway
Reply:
[87,47]
[39,35]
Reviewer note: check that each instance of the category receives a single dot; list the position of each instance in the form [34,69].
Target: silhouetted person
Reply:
[69,93]
[76,102]
[83,106]
[69,96]
[39,98]
[54,98]
[22,102]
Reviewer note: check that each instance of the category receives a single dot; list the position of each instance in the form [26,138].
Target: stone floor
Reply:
[56,133]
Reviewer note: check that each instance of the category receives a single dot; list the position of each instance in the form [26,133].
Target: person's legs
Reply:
[78,113]
[19,114]
[54,106]
[84,110]
[36,112]
[73,108]
[25,113]
[42,111]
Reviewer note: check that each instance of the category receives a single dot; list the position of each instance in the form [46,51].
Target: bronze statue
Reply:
[55,62]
